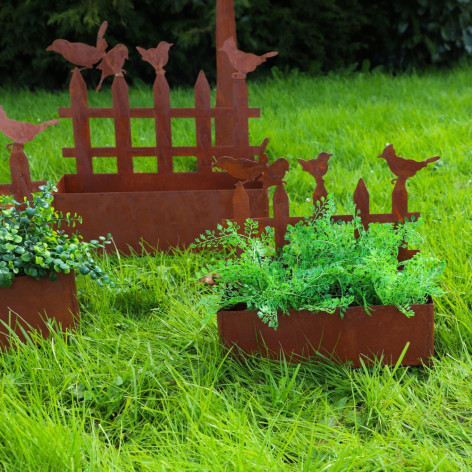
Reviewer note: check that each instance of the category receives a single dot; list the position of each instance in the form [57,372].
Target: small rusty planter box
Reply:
[28,302]
[305,334]
[149,210]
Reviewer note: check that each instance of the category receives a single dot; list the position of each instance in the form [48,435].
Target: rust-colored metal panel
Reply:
[162,218]
[29,301]
[357,336]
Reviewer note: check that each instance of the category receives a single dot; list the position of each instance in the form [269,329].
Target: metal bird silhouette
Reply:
[403,168]
[243,62]
[243,169]
[112,63]
[157,56]
[82,54]
[21,132]
[317,168]
[274,173]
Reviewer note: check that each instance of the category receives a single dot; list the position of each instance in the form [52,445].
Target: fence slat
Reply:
[361,201]
[80,123]
[281,215]
[241,122]
[203,124]
[163,124]
[124,159]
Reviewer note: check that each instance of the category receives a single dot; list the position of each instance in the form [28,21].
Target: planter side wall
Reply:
[162,219]
[304,334]
[28,301]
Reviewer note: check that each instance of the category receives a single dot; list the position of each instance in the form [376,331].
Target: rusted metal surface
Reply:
[104,210]
[20,133]
[382,334]
[28,302]
[402,168]
[158,215]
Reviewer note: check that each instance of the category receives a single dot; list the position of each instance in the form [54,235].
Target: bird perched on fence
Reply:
[112,63]
[274,173]
[243,62]
[82,54]
[243,169]
[316,167]
[21,132]
[157,56]
[403,168]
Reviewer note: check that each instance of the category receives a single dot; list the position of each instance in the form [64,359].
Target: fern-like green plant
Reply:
[323,267]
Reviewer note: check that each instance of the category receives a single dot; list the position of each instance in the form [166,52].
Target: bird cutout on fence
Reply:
[248,170]
[157,57]
[242,169]
[243,62]
[317,168]
[274,173]
[82,54]
[403,169]
[112,63]
[20,132]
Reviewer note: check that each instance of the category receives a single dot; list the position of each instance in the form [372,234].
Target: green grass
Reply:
[143,384]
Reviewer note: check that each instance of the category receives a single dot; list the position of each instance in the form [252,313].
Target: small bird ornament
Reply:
[81,54]
[243,62]
[157,57]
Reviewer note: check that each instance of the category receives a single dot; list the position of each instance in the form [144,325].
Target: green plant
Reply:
[323,267]
[31,242]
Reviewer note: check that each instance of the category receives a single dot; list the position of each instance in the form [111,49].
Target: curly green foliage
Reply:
[323,267]
[32,244]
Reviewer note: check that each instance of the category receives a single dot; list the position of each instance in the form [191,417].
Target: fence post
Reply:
[281,215]
[225,28]
[241,120]
[203,124]
[163,124]
[124,159]
[80,124]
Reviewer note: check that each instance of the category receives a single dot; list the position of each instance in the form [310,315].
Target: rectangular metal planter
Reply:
[384,333]
[146,207]
[28,302]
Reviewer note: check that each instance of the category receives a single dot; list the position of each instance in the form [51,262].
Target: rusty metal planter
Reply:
[149,209]
[358,335]
[28,302]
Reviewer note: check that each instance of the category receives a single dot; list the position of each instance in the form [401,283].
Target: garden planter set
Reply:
[169,209]
[359,335]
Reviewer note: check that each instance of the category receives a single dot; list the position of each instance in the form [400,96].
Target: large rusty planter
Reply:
[383,334]
[28,302]
[149,210]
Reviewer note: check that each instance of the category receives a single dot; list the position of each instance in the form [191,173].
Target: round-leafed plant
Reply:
[32,243]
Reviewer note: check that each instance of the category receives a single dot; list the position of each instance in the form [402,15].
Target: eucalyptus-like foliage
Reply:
[324,267]
[31,242]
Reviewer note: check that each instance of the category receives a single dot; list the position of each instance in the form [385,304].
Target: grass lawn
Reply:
[143,385]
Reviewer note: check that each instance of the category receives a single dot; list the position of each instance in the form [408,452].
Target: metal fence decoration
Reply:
[20,133]
[164,208]
[402,168]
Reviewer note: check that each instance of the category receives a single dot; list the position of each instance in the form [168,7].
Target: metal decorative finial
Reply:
[243,62]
